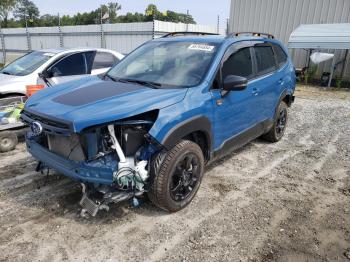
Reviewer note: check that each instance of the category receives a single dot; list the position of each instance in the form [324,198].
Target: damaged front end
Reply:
[112,161]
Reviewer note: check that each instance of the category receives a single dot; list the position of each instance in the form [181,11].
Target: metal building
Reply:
[281,17]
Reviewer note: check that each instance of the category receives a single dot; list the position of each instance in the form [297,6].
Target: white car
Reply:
[54,66]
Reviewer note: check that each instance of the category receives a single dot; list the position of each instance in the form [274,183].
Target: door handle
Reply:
[255,91]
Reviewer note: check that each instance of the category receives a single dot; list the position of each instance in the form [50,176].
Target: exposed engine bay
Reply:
[123,149]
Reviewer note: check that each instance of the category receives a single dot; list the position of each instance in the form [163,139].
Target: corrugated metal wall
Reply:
[281,17]
[120,37]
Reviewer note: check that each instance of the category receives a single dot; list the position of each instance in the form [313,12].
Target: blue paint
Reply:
[239,110]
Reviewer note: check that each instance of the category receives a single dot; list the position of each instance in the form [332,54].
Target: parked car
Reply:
[153,121]
[57,65]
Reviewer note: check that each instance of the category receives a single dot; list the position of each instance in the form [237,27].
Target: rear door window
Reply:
[72,65]
[104,60]
[239,64]
[281,56]
[265,59]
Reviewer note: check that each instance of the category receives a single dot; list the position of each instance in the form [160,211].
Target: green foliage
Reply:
[22,9]
[113,8]
[169,16]
[310,73]
[26,9]
[338,82]
[6,6]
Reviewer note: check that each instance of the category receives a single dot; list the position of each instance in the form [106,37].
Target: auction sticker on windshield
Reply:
[202,47]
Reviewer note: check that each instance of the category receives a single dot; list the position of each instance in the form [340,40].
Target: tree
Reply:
[130,18]
[6,6]
[152,12]
[113,8]
[178,18]
[49,20]
[26,9]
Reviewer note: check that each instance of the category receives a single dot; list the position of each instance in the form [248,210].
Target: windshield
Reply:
[172,64]
[26,64]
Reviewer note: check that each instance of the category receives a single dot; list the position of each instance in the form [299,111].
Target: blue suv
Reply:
[154,120]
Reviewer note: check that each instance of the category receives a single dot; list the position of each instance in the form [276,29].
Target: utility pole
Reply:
[188,13]
[227,26]
[60,30]
[218,25]
[154,23]
[102,33]
[3,45]
[29,44]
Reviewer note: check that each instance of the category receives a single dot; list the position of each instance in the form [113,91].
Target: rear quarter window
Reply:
[281,56]
[265,59]
[104,60]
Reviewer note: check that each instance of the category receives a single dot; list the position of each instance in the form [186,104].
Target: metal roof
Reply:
[321,36]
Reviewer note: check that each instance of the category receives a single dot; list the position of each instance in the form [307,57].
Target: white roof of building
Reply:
[321,36]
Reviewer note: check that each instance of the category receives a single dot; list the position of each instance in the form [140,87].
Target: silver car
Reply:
[54,66]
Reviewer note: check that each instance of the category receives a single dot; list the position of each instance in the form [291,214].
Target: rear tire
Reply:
[176,176]
[279,125]
[8,141]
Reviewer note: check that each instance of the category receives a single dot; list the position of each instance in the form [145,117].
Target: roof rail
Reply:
[266,35]
[183,33]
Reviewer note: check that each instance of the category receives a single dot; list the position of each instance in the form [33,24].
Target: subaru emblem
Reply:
[36,128]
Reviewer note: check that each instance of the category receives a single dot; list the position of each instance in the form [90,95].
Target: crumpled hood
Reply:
[92,101]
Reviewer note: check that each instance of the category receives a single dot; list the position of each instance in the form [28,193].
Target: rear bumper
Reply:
[99,171]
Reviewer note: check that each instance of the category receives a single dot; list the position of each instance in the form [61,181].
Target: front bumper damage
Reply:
[93,172]
[109,170]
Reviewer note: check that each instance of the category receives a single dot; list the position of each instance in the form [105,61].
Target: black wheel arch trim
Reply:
[187,127]
[283,96]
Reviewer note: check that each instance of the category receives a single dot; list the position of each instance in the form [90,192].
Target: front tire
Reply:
[176,176]
[280,122]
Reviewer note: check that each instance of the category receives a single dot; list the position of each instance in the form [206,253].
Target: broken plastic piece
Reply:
[135,202]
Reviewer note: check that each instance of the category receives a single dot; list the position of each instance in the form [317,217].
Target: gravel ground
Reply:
[288,201]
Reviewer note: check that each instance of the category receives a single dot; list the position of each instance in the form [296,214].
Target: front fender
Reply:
[182,129]
[175,122]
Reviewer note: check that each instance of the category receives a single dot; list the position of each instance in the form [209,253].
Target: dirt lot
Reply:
[288,201]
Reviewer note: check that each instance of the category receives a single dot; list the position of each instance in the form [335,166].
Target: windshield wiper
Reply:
[5,73]
[141,82]
[110,77]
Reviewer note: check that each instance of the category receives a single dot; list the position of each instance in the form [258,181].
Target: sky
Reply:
[205,12]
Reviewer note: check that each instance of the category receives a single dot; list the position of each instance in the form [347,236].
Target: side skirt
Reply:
[241,139]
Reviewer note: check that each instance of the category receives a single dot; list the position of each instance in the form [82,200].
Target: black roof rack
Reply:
[173,34]
[266,35]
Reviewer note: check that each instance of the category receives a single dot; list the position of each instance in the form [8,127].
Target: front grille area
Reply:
[49,126]
[68,147]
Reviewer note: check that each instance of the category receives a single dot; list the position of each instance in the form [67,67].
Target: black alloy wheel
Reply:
[185,177]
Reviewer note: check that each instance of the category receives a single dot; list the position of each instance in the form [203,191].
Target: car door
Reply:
[283,72]
[102,62]
[71,67]
[235,111]
[267,80]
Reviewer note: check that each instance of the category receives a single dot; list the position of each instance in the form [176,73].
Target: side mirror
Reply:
[46,74]
[235,83]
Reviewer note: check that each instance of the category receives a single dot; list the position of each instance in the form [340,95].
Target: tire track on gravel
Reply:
[193,224]
[8,160]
